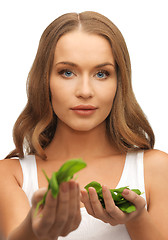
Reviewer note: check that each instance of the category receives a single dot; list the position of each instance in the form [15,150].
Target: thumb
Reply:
[38,195]
[134,198]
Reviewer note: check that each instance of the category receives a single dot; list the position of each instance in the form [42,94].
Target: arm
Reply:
[14,205]
[23,231]
[58,217]
[144,228]
[153,223]
[143,224]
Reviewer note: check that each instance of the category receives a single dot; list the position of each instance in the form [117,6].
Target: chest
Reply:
[105,171]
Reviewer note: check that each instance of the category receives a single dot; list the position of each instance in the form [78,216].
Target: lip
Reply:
[84,110]
[84,107]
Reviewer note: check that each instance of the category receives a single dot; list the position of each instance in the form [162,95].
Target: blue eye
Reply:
[66,73]
[102,74]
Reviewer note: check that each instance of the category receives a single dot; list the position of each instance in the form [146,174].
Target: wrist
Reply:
[138,219]
[142,227]
[24,230]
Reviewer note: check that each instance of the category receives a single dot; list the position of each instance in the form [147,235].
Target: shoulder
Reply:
[11,169]
[14,204]
[156,160]
[155,169]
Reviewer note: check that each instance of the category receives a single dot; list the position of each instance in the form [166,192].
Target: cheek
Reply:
[107,96]
[59,94]
[107,100]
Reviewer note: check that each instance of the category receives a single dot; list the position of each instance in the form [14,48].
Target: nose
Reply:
[84,88]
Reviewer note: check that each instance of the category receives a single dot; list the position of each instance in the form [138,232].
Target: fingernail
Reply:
[81,195]
[65,187]
[72,185]
[82,192]
[104,188]
[126,191]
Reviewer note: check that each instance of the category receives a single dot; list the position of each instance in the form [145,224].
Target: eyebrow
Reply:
[75,65]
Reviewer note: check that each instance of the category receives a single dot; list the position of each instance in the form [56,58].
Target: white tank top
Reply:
[91,228]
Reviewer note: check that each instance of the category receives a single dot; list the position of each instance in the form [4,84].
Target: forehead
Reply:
[81,46]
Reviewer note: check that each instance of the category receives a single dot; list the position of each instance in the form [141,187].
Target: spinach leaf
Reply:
[119,200]
[137,191]
[119,190]
[64,174]
[95,185]
[68,169]
[53,184]
[127,207]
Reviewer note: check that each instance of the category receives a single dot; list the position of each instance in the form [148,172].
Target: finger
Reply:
[96,205]
[72,200]
[37,196]
[110,206]
[131,196]
[46,218]
[86,201]
[49,208]
[75,201]
[63,205]
[74,209]
[78,197]
[77,216]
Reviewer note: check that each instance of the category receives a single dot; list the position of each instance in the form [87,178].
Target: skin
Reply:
[81,84]
[83,136]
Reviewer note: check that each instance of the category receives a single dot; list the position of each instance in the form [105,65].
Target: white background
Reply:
[144,25]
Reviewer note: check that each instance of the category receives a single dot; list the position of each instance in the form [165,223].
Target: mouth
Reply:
[84,110]
[84,107]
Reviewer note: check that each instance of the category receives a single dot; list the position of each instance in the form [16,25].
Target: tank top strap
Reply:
[133,172]
[30,178]
[140,170]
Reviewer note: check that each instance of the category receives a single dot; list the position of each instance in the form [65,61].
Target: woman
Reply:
[81,104]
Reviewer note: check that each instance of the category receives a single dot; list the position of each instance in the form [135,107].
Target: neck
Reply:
[68,143]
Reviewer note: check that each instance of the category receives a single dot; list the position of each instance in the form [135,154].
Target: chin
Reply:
[82,129]
[85,127]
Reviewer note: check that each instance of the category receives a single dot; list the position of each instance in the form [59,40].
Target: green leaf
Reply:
[45,174]
[37,207]
[65,173]
[116,197]
[119,200]
[102,202]
[69,168]
[123,200]
[54,185]
[137,191]
[120,190]
[95,185]
[127,207]
[100,193]
[131,209]
[41,202]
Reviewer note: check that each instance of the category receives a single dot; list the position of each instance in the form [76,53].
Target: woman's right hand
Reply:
[58,217]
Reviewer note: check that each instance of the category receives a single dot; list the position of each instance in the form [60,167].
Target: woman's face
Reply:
[83,80]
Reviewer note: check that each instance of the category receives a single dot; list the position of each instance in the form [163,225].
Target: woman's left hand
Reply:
[111,214]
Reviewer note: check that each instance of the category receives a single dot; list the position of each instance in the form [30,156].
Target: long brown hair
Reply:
[127,125]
